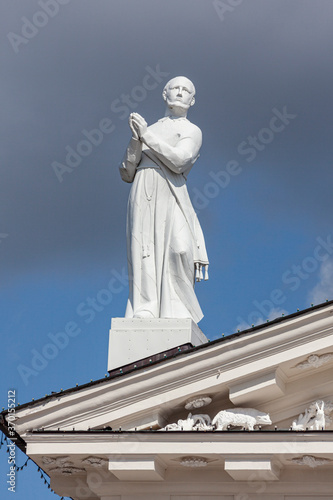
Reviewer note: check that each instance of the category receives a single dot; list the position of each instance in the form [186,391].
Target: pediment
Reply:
[246,409]
[279,369]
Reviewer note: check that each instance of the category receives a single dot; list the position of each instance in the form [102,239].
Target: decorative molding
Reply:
[94,461]
[314,361]
[310,461]
[193,462]
[38,408]
[217,444]
[62,465]
[197,402]
[316,417]
[67,471]
[58,462]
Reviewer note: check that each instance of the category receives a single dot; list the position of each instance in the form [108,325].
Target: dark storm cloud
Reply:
[263,55]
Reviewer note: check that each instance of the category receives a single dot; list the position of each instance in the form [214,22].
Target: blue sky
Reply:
[262,185]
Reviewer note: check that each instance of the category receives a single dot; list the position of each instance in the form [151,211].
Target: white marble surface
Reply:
[165,245]
[134,339]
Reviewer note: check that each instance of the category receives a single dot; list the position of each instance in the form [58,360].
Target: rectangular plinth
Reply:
[135,339]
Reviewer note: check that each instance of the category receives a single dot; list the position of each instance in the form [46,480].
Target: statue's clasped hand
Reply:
[138,125]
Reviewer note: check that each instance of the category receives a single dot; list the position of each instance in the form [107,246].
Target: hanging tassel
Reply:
[201,274]
[206,272]
[197,271]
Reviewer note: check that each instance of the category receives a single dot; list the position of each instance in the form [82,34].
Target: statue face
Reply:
[179,92]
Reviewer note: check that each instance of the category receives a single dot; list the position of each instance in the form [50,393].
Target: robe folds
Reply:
[165,243]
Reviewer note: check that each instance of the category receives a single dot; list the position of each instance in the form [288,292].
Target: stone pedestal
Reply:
[135,339]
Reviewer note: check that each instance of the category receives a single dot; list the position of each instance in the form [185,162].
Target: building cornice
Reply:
[241,367]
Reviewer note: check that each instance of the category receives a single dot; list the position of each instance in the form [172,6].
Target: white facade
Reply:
[281,369]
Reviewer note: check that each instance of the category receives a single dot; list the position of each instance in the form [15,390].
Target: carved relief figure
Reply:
[165,244]
[316,417]
[236,417]
[199,422]
[240,417]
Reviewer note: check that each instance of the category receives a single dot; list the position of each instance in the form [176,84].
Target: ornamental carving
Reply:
[95,461]
[62,465]
[247,418]
[67,471]
[199,422]
[193,462]
[314,361]
[316,417]
[58,462]
[197,402]
[310,461]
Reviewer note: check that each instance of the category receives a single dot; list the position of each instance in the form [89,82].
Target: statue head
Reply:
[179,93]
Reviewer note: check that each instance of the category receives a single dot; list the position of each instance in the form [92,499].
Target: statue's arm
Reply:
[177,158]
[131,160]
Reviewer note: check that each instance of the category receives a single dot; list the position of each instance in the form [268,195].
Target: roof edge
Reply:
[135,368]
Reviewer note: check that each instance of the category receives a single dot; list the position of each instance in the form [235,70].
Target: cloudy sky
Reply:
[72,71]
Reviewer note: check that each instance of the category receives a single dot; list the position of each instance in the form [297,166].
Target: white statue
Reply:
[316,417]
[240,417]
[196,422]
[302,421]
[202,422]
[165,245]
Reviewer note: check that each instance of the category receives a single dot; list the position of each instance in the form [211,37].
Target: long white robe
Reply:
[164,238]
